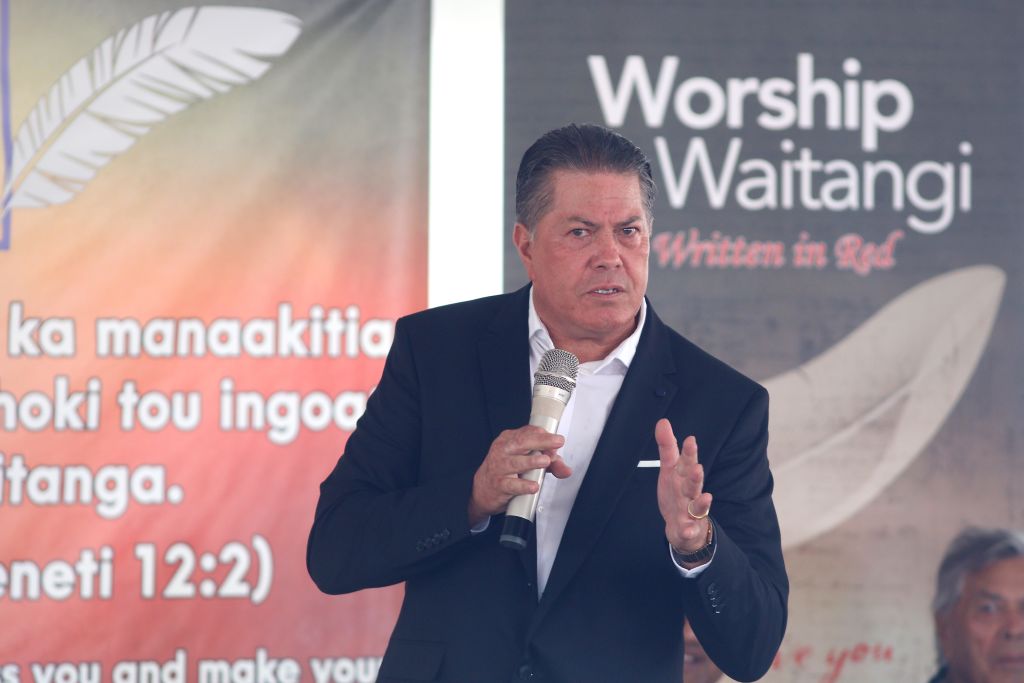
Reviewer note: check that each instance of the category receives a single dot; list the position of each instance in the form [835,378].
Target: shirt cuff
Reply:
[480,527]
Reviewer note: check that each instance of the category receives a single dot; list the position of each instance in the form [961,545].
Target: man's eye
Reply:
[987,608]
[578,232]
[630,231]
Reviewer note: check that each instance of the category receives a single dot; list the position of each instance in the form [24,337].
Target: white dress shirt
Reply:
[583,420]
[582,423]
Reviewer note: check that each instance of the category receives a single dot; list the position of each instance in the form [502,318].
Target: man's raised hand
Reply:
[681,497]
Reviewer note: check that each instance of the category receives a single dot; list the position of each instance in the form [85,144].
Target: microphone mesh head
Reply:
[558,368]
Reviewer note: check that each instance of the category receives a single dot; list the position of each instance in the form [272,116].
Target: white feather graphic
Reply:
[132,81]
[846,423]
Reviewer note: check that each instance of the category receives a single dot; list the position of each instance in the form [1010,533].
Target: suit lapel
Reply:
[505,367]
[644,398]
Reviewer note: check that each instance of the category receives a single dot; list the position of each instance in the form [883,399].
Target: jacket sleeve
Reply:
[738,606]
[378,522]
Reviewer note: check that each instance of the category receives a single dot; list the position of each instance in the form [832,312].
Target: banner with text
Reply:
[839,217]
[212,217]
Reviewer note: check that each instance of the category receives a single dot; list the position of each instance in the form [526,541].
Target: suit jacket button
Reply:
[419,546]
[712,589]
[526,672]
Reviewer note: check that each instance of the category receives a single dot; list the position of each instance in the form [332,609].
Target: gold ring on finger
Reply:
[693,516]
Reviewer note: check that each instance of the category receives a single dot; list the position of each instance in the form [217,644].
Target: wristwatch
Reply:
[700,555]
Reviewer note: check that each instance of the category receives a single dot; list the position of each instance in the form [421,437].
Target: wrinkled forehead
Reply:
[579,193]
[1002,579]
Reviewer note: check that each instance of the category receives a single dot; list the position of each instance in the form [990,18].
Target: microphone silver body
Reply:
[548,405]
[551,393]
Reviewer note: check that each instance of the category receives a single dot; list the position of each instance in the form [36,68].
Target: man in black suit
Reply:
[632,532]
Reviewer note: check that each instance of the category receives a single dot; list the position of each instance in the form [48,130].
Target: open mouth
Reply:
[605,291]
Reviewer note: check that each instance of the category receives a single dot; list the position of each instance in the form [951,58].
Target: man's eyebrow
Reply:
[988,595]
[592,224]
[584,221]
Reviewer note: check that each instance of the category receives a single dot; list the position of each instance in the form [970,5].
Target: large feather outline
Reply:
[847,423]
[133,80]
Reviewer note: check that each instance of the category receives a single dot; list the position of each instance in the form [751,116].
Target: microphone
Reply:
[553,384]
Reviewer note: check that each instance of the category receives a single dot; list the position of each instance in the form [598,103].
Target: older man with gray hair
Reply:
[979,608]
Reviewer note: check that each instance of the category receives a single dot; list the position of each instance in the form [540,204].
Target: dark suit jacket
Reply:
[395,509]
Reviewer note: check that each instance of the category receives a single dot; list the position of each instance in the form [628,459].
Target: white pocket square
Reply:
[649,463]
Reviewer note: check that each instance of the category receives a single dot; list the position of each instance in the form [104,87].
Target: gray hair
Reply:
[971,551]
[577,147]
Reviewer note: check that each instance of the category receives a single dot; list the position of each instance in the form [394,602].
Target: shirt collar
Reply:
[622,355]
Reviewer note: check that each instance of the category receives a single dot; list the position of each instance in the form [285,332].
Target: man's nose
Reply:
[1013,629]
[606,250]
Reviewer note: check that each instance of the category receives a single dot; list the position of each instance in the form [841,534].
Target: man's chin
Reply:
[1009,669]
[613,315]
[615,328]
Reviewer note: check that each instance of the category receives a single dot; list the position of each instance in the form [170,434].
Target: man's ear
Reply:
[524,245]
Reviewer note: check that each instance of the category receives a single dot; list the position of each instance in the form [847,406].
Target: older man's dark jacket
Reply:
[395,509]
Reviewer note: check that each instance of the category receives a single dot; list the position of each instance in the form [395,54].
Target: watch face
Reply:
[702,554]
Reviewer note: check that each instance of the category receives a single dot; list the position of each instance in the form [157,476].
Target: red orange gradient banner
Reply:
[215,216]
